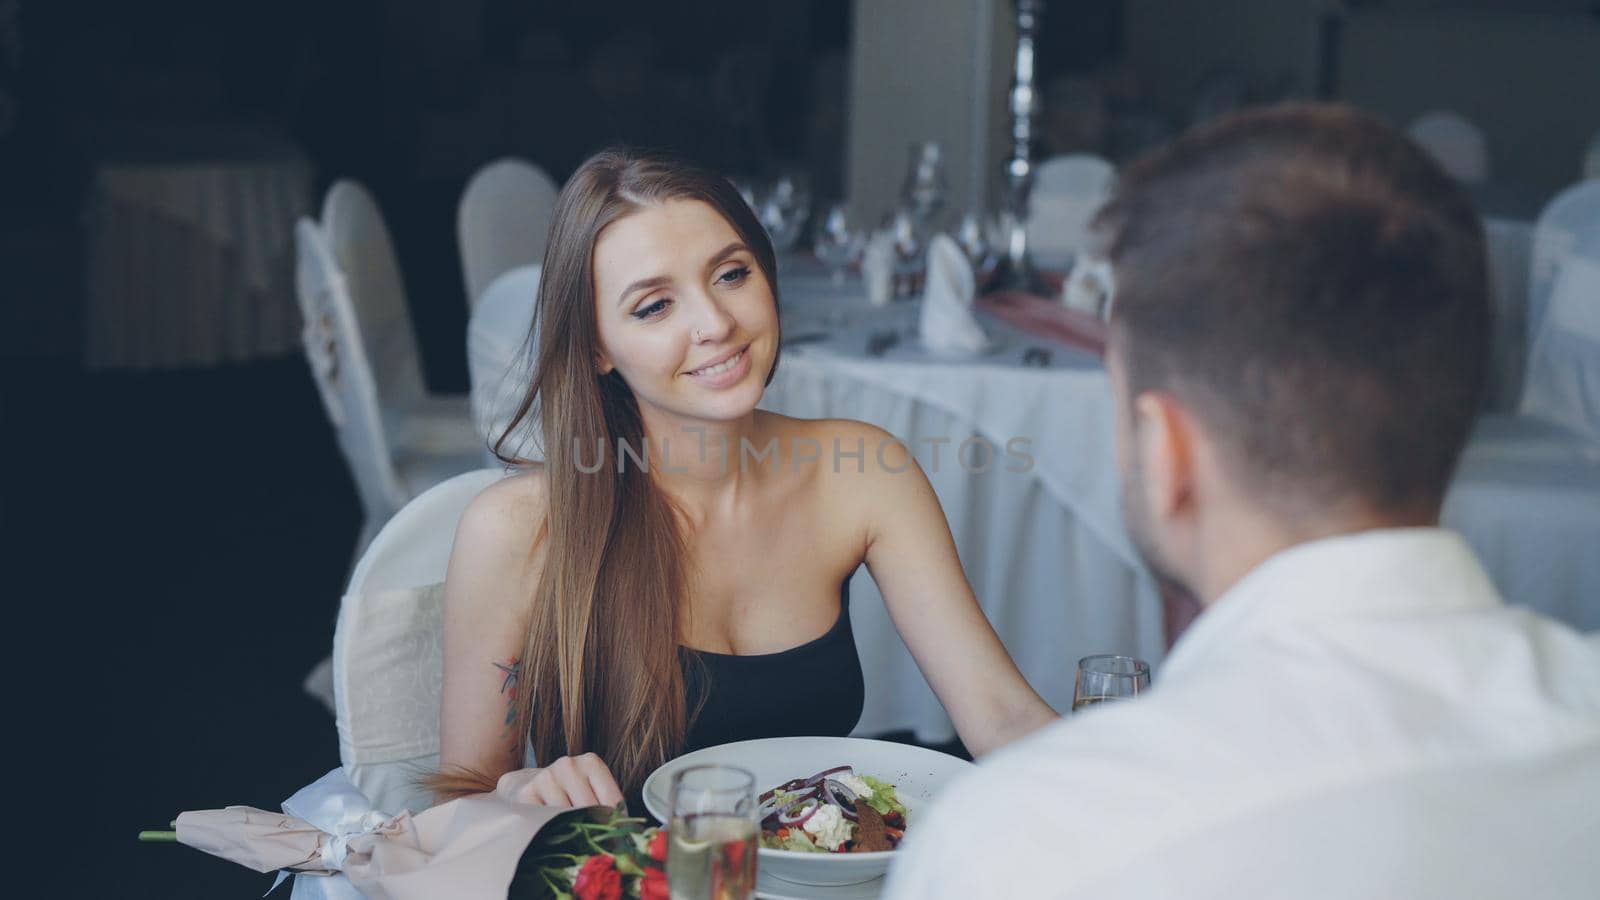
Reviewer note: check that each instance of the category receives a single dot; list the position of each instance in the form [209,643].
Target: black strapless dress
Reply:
[813,689]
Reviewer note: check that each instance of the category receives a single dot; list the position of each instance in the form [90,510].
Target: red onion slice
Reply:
[841,796]
[798,813]
[826,773]
[788,786]
[770,805]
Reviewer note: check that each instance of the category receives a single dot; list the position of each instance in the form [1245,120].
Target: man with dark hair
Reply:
[1298,337]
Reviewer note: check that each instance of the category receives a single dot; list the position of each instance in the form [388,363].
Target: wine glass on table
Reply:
[1107,678]
[973,236]
[784,211]
[838,247]
[714,834]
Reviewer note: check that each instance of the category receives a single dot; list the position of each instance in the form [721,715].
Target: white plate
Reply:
[916,772]
[771,887]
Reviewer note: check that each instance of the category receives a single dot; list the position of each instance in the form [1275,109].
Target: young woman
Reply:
[675,575]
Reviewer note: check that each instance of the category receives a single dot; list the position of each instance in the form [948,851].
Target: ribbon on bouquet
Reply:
[342,813]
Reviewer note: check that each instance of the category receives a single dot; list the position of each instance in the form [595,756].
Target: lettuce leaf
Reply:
[883,797]
[797,841]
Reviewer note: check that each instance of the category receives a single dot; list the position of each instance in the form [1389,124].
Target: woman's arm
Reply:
[913,559]
[494,569]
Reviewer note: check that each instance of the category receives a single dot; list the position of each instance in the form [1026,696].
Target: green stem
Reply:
[572,858]
[550,882]
[158,837]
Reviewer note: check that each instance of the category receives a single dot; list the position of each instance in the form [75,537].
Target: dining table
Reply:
[190,257]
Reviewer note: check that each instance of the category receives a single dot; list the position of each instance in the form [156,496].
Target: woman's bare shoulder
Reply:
[512,509]
[850,446]
[499,544]
[849,433]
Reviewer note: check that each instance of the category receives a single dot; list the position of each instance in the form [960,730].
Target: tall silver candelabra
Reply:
[1016,270]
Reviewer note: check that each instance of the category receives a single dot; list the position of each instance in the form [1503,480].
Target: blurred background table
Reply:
[190,259]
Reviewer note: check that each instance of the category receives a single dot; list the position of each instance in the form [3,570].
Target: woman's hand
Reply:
[569,781]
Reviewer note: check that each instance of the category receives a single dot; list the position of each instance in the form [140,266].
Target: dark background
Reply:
[180,539]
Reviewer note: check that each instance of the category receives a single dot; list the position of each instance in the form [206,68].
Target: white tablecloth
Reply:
[191,251]
[1527,498]
[1046,551]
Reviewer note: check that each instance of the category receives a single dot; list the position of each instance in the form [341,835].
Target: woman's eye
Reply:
[734,276]
[652,310]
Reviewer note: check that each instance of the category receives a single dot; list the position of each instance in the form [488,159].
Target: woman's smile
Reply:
[728,369]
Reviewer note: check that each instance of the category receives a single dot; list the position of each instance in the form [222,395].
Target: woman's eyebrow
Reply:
[726,252]
[642,284]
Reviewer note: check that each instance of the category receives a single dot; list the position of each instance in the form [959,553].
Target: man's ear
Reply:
[1164,441]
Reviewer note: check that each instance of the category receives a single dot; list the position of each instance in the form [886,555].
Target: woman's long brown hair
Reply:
[601,670]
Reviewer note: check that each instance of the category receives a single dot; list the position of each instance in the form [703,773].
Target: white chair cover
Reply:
[500,338]
[1455,142]
[1067,192]
[365,253]
[1567,217]
[388,468]
[1563,383]
[388,652]
[344,378]
[420,425]
[503,221]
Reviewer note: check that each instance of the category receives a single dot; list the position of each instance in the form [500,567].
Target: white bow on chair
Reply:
[322,350]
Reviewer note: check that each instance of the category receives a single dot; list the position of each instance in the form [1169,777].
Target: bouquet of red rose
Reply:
[593,854]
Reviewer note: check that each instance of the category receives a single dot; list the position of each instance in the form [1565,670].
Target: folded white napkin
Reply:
[1088,286]
[948,325]
[877,268]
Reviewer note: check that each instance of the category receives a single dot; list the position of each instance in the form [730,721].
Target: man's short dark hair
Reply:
[1313,286]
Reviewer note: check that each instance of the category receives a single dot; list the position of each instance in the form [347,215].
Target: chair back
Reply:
[1591,158]
[1457,144]
[503,221]
[388,649]
[1067,192]
[1563,380]
[1562,223]
[339,366]
[364,251]
[500,336]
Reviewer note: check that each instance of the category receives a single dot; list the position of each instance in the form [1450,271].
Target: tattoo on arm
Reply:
[511,670]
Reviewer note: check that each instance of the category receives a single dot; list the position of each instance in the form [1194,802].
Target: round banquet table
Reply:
[191,251]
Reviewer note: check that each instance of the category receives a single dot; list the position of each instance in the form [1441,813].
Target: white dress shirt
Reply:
[1358,717]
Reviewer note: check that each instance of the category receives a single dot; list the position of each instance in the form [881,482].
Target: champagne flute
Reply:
[837,246]
[910,256]
[713,836]
[784,211]
[1107,677]
[972,235]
